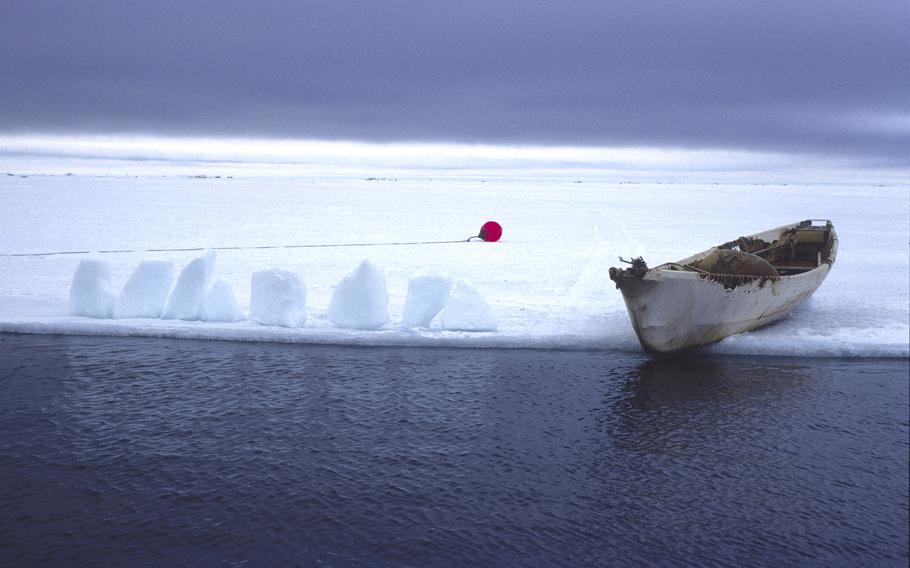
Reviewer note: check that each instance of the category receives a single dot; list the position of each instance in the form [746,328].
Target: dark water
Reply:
[139,451]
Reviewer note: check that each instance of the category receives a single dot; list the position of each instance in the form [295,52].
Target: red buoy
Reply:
[490,231]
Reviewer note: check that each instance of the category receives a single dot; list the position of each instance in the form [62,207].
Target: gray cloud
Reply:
[812,75]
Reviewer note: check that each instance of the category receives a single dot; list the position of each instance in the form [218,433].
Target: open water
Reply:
[165,452]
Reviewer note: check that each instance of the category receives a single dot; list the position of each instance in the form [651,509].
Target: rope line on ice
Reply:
[491,231]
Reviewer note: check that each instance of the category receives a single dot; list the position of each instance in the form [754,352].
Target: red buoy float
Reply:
[491,231]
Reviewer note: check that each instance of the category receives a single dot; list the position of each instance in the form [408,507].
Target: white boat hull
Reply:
[677,310]
[676,306]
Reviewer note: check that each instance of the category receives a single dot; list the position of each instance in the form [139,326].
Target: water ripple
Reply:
[132,451]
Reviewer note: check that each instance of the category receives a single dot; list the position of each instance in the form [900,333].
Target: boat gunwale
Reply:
[664,269]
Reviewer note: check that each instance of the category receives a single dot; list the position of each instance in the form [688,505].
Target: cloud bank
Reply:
[816,76]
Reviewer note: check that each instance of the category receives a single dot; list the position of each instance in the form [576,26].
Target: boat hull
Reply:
[735,287]
[671,311]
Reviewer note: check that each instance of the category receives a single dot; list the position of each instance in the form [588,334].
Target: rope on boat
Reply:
[731,281]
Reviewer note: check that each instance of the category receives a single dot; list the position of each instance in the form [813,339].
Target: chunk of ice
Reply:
[278,297]
[467,310]
[91,294]
[145,293]
[188,294]
[427,295]
[360,300]
[220,304]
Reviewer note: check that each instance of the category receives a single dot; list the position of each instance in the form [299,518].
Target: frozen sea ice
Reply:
[220,304]
[145,293]
[91,294]
[361,301]
[427,295]
[467,310]
[188,295]
[278,297]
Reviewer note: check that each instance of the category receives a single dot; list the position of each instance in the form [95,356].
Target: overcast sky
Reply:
[805,75]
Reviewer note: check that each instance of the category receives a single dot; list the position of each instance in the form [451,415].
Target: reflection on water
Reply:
[117,451]
[683,398]
[673,381]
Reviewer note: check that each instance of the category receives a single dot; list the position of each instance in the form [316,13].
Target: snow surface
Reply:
[427,295]
[187,297]
[145,293]
[546,283]
[467,310]
[278,297]
[91,294]
[361,301]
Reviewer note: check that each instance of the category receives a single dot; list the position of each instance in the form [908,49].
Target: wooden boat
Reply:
[731,288]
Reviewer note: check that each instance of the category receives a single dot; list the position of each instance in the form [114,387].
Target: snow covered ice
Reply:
[145,293]
[91,294]
[467,310]
[220,305]
[427,294]
[278,297]
[545,282]
[361,301]
[188,295]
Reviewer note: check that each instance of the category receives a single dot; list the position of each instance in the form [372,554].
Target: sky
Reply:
[822,77]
